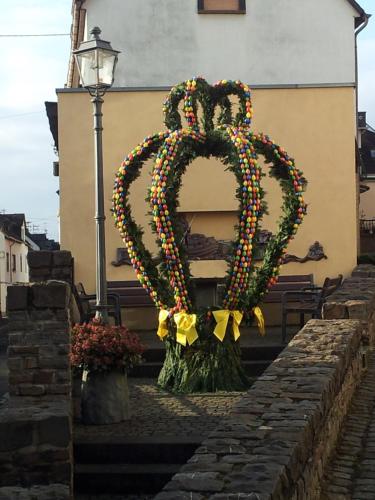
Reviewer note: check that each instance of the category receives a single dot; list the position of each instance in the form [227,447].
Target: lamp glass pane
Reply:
[96,68]
[107,62]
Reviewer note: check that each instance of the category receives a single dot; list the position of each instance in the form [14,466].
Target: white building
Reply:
[261,42]
[13,253]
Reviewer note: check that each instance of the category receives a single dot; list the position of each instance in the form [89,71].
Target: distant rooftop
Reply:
[43,242]
[11,224]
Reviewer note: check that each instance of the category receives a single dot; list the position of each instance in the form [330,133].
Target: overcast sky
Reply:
[31,70]
[366,60]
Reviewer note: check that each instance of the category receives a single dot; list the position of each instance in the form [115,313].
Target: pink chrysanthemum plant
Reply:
[100,348]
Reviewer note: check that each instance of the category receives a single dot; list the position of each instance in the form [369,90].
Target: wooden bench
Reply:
[308,301]
[132,294]
[86,305]
[293,283]
[296,294]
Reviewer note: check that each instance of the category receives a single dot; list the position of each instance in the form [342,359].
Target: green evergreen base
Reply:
[207,366]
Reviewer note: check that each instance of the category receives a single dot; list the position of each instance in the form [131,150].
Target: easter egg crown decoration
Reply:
[202,348]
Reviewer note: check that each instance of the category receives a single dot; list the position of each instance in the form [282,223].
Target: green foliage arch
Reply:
[200,356]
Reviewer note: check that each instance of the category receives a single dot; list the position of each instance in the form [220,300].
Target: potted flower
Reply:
[105,353]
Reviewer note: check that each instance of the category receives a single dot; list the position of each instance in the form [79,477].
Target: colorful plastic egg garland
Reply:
[187,142]
[231,140]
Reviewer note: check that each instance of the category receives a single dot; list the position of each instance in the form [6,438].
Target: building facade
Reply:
[367,205]
[299,58]
[13,253]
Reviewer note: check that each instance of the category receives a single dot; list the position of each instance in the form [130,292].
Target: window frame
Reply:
[241,9]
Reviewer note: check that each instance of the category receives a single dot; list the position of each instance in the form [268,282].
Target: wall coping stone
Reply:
[40,258]
[355,299]
[47,258]
[50,265]
[34,425]
[51,294]
[23,409]
[62,258]
[49,492]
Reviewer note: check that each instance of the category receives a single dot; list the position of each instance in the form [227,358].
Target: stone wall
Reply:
[50,265]
[355,299]
[3,334]
[53,265]
[35,425]
[280,436]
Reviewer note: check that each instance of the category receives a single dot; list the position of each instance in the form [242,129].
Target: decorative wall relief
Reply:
[122,258]
[202,247]
[315,253]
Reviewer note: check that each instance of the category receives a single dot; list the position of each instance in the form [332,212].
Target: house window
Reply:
[8,263]
[221,6]
[21,263]
[372,152]
[14,264]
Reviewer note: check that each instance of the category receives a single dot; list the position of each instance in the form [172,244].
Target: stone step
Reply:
[148,450]
[122,478]
[255,353]
[152,369]
[249,353]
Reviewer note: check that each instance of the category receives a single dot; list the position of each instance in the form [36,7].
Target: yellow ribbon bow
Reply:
[163,329]
[260,320]
[222,318]
[186,331]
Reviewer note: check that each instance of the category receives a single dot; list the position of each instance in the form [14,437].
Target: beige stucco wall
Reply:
[315,125]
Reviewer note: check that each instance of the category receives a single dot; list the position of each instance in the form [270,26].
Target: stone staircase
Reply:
[117,464]
[255,360]
[139,466]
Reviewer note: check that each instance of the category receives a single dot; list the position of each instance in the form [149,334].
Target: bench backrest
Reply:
[331,285]
[131,293]
[82,306]
[288,284]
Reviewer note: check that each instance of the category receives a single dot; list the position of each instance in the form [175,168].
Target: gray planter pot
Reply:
[105,397]
[77,394]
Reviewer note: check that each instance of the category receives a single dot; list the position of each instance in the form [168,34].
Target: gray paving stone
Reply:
[159,413]
[351,473]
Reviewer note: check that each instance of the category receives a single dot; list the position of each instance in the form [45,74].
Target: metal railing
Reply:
[367,226]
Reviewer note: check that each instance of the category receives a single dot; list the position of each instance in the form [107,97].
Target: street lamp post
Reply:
[96,62]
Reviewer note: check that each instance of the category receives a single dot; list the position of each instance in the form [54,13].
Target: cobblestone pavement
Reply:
[156,413]
[159,413]
[351,473]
